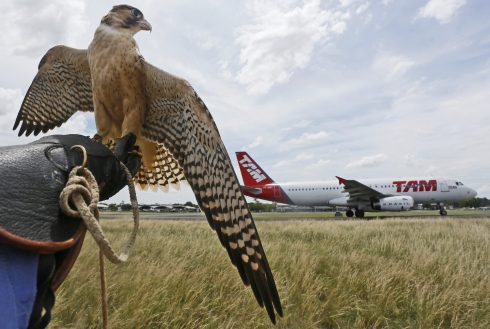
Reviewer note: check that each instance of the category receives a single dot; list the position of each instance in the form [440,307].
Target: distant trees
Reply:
[258,206]
[255,206]
[112,207]
[472,203]
[125,207]
[190,204]
[475,203]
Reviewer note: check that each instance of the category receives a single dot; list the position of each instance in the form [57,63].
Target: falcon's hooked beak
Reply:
[144,25]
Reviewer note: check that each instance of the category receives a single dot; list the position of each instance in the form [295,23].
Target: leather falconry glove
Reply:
[32,177]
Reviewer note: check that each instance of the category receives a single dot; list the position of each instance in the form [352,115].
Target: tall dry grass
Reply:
[430,273]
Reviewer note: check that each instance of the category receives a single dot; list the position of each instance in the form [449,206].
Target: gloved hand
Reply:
[102,162]
[32,177]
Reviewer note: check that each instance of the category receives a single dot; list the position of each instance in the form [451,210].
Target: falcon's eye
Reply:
[136,12]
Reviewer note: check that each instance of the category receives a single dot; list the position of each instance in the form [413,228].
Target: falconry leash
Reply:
[79,199]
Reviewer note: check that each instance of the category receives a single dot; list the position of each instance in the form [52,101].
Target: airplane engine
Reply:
[393,203]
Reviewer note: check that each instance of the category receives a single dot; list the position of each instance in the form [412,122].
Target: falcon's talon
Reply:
[124,145]
[97,138]
[136,152]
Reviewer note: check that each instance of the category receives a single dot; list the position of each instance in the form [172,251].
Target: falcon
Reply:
[174,130]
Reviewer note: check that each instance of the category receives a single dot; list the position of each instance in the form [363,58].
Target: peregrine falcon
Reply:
[177,135]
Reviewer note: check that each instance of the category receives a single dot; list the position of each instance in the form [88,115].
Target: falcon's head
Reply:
[126,18]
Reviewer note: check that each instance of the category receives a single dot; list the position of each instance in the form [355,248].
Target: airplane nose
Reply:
[472,192]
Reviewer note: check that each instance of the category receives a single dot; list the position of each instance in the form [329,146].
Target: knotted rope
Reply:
[82,193]
[79,199]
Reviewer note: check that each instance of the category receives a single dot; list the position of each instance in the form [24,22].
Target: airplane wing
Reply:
[359,191]
[253,190]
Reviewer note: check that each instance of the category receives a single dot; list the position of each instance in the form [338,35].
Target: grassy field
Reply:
[418,273]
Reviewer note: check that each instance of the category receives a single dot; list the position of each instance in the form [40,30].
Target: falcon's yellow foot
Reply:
[111,145]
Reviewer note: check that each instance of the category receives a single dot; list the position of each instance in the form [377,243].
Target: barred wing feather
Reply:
[177,118]
[61,87]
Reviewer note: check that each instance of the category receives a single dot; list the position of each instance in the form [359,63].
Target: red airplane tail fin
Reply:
[341,180]
[252,174]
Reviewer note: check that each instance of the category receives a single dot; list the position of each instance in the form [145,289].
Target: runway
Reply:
[313,216]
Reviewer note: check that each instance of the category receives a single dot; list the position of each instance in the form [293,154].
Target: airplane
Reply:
[357,196]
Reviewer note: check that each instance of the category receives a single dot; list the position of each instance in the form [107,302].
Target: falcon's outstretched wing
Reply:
[177,118]
[61,87]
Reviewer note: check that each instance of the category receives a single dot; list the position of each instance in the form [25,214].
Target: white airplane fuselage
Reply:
[321,193]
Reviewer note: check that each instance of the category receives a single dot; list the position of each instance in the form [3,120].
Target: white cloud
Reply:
[294,162]
[320,164]
[10,100]
[281,40]
[483,190]
[339,27]
[346,3]
[205,39]
[362,8]
[306,139]
[259,140]
[281,163]
[304,157]
[392,66]
[302,124]
[368,161]
[40,25]
[432,170]
[225,70]
[77,124]
[442,10]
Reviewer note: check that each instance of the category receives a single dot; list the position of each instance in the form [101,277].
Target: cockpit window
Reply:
[459,183]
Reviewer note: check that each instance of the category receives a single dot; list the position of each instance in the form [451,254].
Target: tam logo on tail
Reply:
[252,169]
[252,174]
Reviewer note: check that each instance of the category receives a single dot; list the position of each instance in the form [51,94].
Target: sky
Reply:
[311,89]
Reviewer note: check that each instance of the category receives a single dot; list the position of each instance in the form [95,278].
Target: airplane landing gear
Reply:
[349,213]
[360,213]
[442,210]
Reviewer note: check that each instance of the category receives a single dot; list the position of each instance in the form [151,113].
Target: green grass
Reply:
[419,273]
